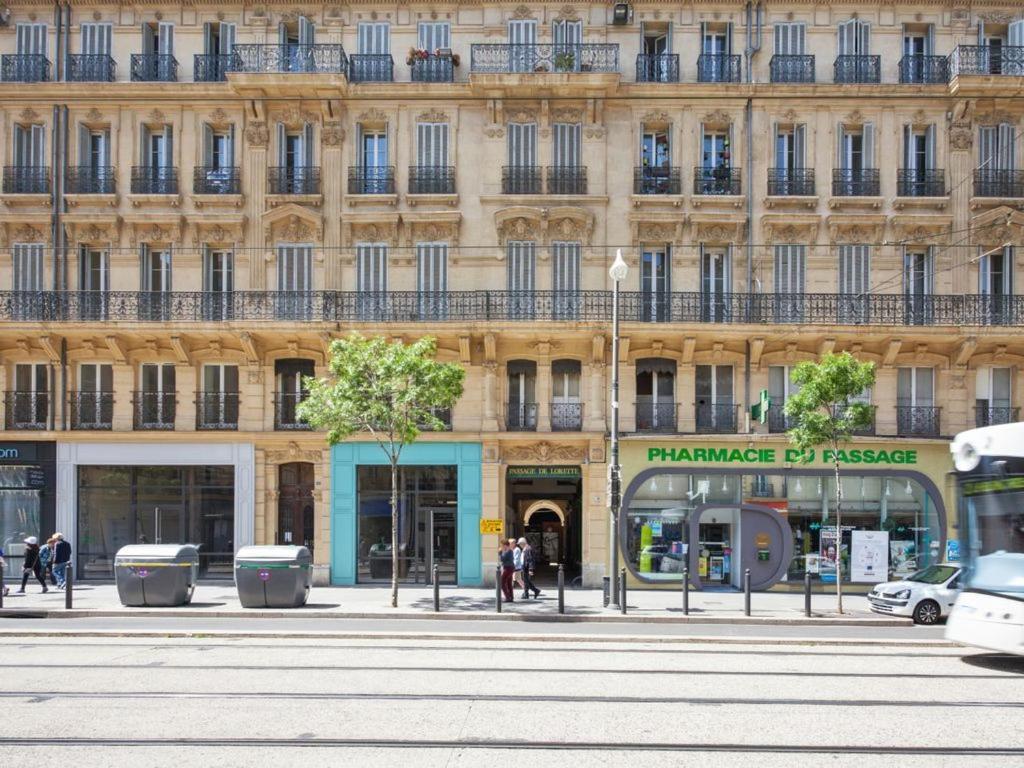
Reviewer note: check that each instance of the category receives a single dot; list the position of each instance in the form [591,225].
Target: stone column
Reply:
[961,184]
[185,413]
[951,395]
[884,396]
[686,413]
[490,397]
[124,381]
[595,407]
[251,399]
[627,397]
[542,388]
[259,497]
[331,178]
[257,138]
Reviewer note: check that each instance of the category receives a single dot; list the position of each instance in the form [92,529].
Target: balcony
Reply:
[91,68]
[293,180]
[858,69]
[567,180]
[444,415]
[716,418]
[717,180]
[92,410]
[216,411]
[213,67]
[998,183]
[216,180]
[657,68]
[286,418]
[791,69]
[154,68]
[656,418]
[259,58]
[371,68]
[26,180]
[27,411]
[154,410]
[24,68]
[868,430]
[90,180]
[432,68]
[522,58]
[521,417]
[860,182]
[924,70]
[664,180]
[431,180]
[917,420]
[791,182]
[986,60]
[520,180]
[987,415]
[920,182]
[371,180]
[718,68]
[778,422]
[566,417]
[151,180]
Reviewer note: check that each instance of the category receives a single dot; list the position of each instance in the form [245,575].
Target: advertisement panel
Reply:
[869,556]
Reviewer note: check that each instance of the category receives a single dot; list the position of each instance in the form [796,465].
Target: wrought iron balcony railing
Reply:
[213,67]
[718,68]
[520,180]
[987,415]
[434,68]
[371,180]
[154,180]
[858,69]
[90,180]
[791,182]
[515,58]
[990,182]
[216,410]
[291,58]
[154,410]
[293,180]
[917,420]
[521,417]
[26,410]
[567,180]
[926,70]
[92,410]
[778,422]
[717,418]
[920,182]
[24,68]
[26,180]
[987,60]
[91,68]
[860,182]
[657,68]
[791,68]
[154,68]
[431,180]
[371,68]
[657,180]
[566,417]
[445,416]
[286,417]
[866,431]
[216,180]
[657,417]
[716,180]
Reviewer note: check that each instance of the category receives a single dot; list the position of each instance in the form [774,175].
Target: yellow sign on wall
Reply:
[491,525]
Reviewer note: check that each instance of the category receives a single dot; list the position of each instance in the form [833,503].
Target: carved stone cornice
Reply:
[921,230]
[790,229]
[217,231]
[292,223]
[256,134]
[151,228]
[294,116]
[432,227]
[719,229]
[432,115]
[293,452]
[856,229]
[545,451]
[332,134]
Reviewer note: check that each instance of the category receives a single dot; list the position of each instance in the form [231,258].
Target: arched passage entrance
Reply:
[295,507]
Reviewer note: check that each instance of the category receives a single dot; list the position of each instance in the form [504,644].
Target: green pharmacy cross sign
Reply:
[759,410]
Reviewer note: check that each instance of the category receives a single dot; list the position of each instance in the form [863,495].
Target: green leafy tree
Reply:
[824,414]
[389,390]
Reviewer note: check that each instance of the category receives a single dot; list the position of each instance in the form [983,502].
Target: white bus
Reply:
[989,466]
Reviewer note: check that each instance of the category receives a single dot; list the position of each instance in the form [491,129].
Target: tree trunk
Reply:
[839,540]
[394,532]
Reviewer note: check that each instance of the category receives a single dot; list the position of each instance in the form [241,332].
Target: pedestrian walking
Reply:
[529,563]
[31,565]
[508,568]
[46,561]
[3,569]
[517,556]
[61,559]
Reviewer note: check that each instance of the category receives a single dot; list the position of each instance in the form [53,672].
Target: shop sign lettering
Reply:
[720,455]
[491,525]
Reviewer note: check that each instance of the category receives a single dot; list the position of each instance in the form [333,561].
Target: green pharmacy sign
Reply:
[773,456]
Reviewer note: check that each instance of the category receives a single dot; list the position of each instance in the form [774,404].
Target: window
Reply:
[993,396]
[522,36]
[296,41]
[218,406]
[28,406]
[374,37]
[290,391]
[158,39]
[522,267]
[655,395]
[29,146]
[714,176]
[655,282]
[96,38]
[31,39]
[521,413]
[715,409]
[716,40]
[567,144]
[95,174]
[432,36]
[295,149]
[522,145]
[918,272]
[715,282]
[855,280]
[155,401]
[294,281]
[155,283]
[219,38]
[915,387]
[780,387]
[432,279]
[918,42]
[856,147]
[995,272]
[218,147]
[789,283]
[790,147]
[566,409]
[374,173]
[372,279]
[790,38]
[996,147]
[94,401]
[565,279]
[218,283]
[157,146]
[27,266]
[916,178]
[854,38]
[94,281]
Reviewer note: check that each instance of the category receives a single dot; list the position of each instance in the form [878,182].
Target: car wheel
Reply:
[927,612]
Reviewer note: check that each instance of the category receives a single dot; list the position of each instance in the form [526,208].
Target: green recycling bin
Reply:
[273,576]
[156,574]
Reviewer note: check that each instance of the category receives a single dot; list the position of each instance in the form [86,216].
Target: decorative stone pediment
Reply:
[921,230]
[718,117]
[292,223]
[373,116]
[293,452]
[433,115]
[654,228]
[721,229]
[521,115]
[218,118]
[855,117]
[220,230]
[569,223]
[28,115]
[154,229]
[21,231]
[93,116]
[655,117]
[156,117]
[794,230]
[544,451]
[567,13]
[519,223]
[544,224]
[856,229]
[567,115]
[522,12]
[432,227]
[294,116]
[1000,225]
[93,228]
[372,228]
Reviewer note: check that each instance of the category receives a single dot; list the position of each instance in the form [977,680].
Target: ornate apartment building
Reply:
[197,198]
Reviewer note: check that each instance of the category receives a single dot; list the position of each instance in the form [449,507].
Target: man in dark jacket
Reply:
[529,562]
[32,565]
[61,560]
[508,569]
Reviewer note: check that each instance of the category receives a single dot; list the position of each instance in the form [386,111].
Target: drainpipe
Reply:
[748,117]
[55,196]
[64,384]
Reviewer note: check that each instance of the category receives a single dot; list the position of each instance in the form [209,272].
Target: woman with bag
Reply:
[31,566]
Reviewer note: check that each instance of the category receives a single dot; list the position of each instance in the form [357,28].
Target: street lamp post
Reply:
[617,272]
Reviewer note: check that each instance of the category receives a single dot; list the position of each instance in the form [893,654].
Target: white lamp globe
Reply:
[619,268]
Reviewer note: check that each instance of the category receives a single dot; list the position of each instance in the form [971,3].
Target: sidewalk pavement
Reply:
[219,599]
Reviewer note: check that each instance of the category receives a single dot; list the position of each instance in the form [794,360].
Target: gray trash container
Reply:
[273,576]
[156,574]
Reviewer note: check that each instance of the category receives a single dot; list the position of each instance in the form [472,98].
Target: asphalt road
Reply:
[282,701]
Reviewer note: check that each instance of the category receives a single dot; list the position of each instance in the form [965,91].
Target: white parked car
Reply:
[925,596]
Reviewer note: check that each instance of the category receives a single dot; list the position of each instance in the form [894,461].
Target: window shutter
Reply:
[728,38]
[869,146]
[207,145]
[147,40]
[230,158]
[799,146]
[863,43]
[845,37]
[208,47]
[841,146]
[307,31]
[1015,33]
[166,32]
[1006,159]
[307,145]
[909,156]
[929,41]
[227,38]
[282,145]
[167,156]
[37,155]
[144,271]
[929,144]
[282,34]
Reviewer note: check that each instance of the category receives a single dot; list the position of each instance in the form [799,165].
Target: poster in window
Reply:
[870,556]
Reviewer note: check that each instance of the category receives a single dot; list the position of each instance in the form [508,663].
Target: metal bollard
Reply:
[497,589]
[686,591]
[1,587]
[746,591]
[622,591]
[807,594]
[69,587]
[561,588]
[437,591]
